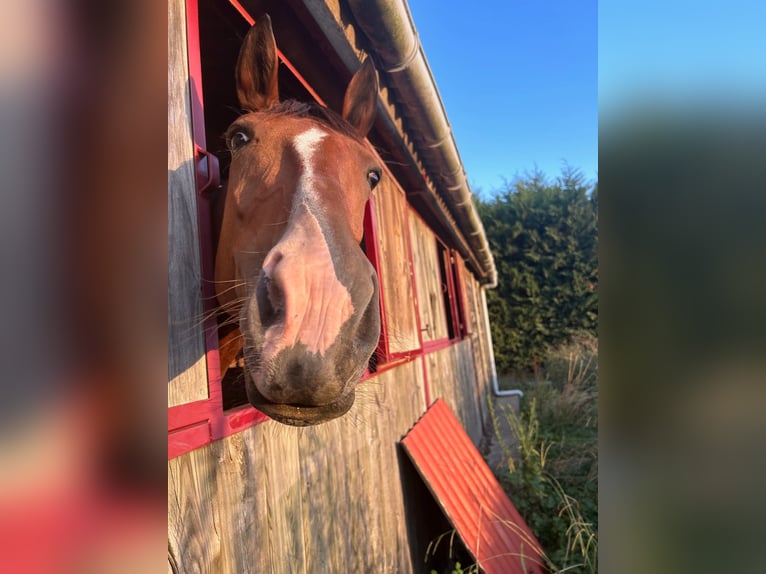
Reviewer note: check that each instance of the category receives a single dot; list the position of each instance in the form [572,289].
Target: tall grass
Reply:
[552,470]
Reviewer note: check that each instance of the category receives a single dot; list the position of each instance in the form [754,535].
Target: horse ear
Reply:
[257,65]
[359,103]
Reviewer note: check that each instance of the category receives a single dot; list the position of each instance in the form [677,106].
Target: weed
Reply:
[553,468]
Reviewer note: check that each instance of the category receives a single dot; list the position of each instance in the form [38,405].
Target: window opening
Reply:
[446,288]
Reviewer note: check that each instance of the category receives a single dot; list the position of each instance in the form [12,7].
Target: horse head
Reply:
[289,265]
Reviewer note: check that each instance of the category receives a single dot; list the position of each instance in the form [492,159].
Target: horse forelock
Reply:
[323,115]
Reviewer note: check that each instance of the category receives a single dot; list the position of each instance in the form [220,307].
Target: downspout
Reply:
[492,367]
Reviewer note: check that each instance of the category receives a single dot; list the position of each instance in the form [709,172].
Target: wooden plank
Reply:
[187,376]
[326,499]
[360,551]
[373,402]
[466,280]
[218,506]
[403,402]
[193,545]
[337,476]
[410,406]
[485,338]
[243,501]
[433,316]
[283,529]
[396,279]
[479,341]
[451,376]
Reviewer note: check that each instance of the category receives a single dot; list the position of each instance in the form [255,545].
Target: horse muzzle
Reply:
[308,338]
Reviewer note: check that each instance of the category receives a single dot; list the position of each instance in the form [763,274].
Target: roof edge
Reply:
[393,39]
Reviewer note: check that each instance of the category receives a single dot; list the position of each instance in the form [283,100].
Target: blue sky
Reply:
[519,82]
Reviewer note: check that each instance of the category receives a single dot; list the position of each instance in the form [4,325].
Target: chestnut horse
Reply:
[289,267]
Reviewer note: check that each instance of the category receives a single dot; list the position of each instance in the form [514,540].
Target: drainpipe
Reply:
[493,369]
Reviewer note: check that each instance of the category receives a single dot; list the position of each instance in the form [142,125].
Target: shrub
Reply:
[552,474]
[544,238]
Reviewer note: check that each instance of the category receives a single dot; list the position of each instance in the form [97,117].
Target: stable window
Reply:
[452,292]
[386,226]
[440,297]
[428,280]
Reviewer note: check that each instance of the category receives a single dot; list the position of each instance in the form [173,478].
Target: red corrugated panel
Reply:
[474,502]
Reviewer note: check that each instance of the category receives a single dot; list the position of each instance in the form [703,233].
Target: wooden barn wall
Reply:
[395,275]
[451,375]
[316,499]
[463,276]
[187,376]
[485,336]
[479,341]
[484,344]
[425,255]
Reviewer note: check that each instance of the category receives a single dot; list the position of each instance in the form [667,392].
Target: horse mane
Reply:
[326,116]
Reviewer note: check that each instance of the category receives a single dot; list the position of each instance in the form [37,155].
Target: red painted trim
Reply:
[449,278]
[237,420]
[195,73]
[207,176]
[187,439]
[406,354]
[398,361]
[438,345]
[250,20]
[195,424]
[461,294]
[218,425]
[181,416]
[444,253]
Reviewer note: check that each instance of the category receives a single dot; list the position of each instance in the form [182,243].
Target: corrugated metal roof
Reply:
[491,528]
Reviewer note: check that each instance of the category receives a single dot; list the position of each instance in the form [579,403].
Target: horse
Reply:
[289,267]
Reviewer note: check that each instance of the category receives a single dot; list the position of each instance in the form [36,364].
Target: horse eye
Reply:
[238,140]
[373,178]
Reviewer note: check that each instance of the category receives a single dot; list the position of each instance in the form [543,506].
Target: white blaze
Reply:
[317,303]
[306,145]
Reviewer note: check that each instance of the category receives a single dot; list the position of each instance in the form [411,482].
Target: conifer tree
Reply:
[544,236]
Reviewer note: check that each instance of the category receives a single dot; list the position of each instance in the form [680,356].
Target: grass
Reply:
[552,471]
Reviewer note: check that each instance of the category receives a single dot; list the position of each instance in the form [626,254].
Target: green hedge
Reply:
[544,237]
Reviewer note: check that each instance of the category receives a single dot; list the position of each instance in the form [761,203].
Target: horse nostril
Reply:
[276,295]
[271,301]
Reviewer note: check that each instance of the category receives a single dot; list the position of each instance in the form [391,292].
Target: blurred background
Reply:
[83,254]
[682,143]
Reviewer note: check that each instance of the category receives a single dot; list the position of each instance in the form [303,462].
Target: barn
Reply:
[247,494]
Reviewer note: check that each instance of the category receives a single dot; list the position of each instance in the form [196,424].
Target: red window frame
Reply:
[457,295]
[387,358]
[194,424]
[454,307]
